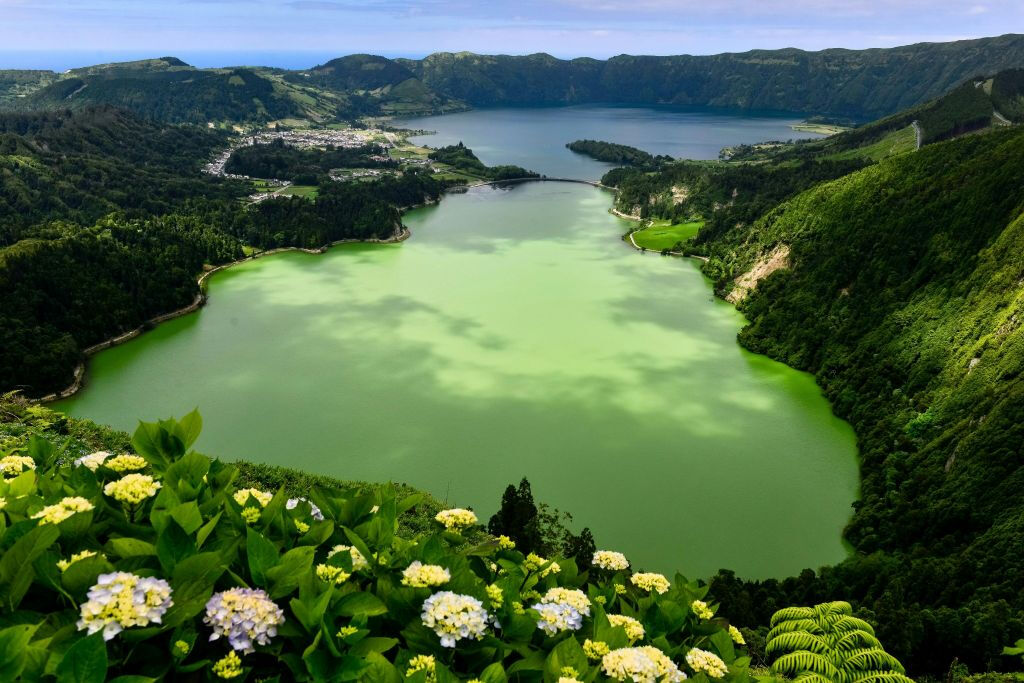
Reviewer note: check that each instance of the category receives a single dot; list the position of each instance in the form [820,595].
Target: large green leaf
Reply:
[84,662]
[361,604]
[568,653]
[16,572]
[262,555]
[284,578]
[13,643]
[173,546]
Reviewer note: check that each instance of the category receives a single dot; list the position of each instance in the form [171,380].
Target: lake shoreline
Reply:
[78,378]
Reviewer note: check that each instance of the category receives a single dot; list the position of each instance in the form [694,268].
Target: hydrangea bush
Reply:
[154,565]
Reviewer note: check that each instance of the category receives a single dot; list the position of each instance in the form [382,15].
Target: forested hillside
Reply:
[857,84]
[862,84]
[106,220]
[901,291]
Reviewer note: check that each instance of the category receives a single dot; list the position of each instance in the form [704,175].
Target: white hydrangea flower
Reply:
[610,560]
[634,629]
[419,575]
[58,512]
[453,617]
[701,609]
[651,582]
[13,465]
[456,519]
[120,600]
[557,616]
[92,460]
[573,597]
[244,616]
[641,665]
[708,662]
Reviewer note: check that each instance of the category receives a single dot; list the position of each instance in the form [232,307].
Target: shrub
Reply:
[174,571]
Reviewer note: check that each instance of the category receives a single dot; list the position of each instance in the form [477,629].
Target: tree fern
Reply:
[794,663]
[827,644]
[808,625]
[787,613]
[797,640]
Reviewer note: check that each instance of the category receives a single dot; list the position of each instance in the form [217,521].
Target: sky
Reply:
[300,33]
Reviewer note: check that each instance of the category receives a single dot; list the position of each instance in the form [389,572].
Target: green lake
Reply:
[513,335]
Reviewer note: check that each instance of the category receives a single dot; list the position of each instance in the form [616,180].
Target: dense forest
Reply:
[303,166]
[461,158]
[615,153]
[106,220]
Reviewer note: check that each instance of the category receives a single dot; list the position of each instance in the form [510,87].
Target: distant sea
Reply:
[62,60]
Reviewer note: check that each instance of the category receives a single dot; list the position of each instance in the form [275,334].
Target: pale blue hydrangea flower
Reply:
[244,616]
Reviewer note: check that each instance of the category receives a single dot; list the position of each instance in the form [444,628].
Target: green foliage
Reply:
[341,619]
[462,159]
[286,162]
[617,154]
[826,643]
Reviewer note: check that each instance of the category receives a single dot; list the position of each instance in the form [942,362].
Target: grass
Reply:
[661,234]
[306,191]
[820,128]
[897,142]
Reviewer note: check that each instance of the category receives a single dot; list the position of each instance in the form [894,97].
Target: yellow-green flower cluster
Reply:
[58,512]
[610,560]
[346,631]
[181,648]
[651,582]
[120,600]
[64,564]
[620,589]
[228,666]
[736,636]
[495,595]
[261,497]
[419,575]
[701,609]
[425,663]
[456,519]
[126,463]
[301,526]
[641,665]
[358,561]
[595,649]
[506,543]
[251,515]
[132,488]
[634,629]
[707,662]
[534,562]
[569,673]
[93,460]
[328,573]
[453,617]
[13,465]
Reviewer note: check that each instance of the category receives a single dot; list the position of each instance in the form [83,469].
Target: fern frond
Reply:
[794,663]
[845,642]
[871,658]
[796,640]
[811,677]
[880,677]
[787,613]
[808,625]
[847,624]
[835,607]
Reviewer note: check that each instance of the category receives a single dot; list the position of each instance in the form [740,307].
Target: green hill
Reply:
[862,84]
[899,287]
